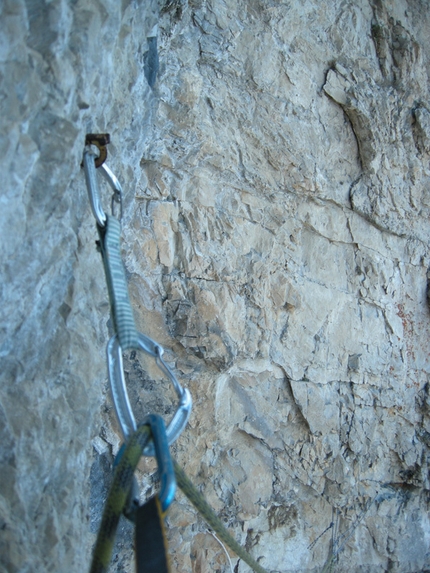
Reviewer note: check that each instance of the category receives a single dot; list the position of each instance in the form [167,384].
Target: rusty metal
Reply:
[100,140]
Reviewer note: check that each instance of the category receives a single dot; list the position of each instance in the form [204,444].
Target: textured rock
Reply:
[275,159]
[58,82]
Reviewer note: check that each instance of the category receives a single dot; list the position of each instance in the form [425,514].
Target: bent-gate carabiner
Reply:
[122,405]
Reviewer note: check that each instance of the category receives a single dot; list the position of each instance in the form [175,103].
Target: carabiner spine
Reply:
[93,186]
[118,387]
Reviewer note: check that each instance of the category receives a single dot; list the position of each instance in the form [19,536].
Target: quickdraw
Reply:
[151,437]
[126,336]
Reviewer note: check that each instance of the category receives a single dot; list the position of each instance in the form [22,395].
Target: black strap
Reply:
[151,545]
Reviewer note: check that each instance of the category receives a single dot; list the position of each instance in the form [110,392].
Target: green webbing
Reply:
[122,312]
[117,499]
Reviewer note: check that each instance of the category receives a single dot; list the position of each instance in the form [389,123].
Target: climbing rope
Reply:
[117,500]
[152,437]
[212,519]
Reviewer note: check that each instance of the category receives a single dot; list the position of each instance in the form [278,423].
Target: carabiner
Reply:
[121,402]
[164,461]
[93,188]
[166,471]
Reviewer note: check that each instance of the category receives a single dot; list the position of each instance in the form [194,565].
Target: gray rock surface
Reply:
[275,163]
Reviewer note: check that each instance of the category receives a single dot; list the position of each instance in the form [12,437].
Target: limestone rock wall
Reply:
[275,162]
[66,68]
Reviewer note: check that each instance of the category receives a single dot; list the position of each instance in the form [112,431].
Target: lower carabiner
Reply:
[121,401]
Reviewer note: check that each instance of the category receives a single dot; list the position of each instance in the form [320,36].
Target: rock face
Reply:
[275,163]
